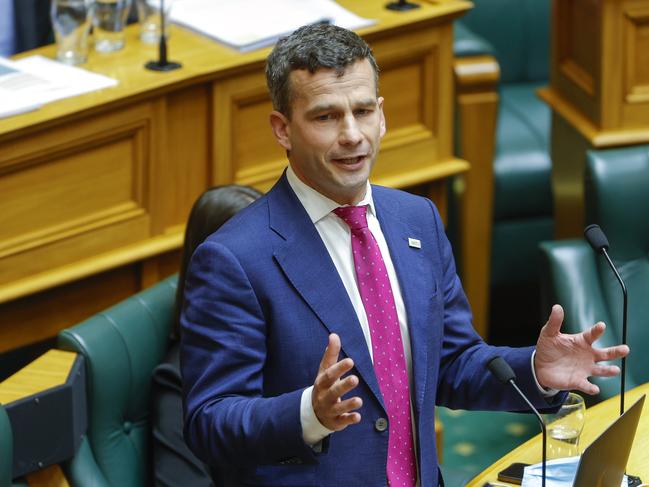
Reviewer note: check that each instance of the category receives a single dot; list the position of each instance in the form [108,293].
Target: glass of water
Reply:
[565,426]
[148,13]
[108,23]
[71,24]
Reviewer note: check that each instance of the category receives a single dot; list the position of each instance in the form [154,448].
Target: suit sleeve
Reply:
[464,381]
[228,421]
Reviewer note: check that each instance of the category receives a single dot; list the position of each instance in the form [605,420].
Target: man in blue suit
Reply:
[280,342]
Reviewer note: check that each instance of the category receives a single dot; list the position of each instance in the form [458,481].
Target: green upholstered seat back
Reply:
[617,199]
[6,449]
[519,31]
[122,345]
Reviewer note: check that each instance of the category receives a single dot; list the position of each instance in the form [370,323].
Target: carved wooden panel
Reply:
[636,61]
[70,193]
[578,53]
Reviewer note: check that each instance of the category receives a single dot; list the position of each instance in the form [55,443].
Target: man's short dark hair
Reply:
[313,47]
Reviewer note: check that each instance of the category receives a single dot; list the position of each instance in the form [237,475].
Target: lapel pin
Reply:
[414,243]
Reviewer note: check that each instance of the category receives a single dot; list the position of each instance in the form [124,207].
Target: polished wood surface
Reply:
[598,418]
[96,189]
[476,86]
[51,476]
[49,370]
[599,88]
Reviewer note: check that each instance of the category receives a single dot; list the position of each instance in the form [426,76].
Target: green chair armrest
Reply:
[569,277]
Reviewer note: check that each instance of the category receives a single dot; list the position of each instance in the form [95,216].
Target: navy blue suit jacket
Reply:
[262,295]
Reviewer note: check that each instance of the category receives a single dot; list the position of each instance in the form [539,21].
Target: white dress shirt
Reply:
[336,235]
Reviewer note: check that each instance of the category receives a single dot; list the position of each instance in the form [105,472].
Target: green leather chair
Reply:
[6,449]
[516,32]
[617,199]
[122,346]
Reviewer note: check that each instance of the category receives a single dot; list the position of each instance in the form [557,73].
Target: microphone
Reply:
[162,64]
[504,373]
[598,241]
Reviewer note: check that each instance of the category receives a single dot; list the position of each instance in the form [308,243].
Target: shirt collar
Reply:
[317,205]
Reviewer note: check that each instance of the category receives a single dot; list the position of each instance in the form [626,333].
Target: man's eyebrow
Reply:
[323,107]
[327,107]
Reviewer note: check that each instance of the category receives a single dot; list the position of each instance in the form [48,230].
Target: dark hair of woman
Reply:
[211,210]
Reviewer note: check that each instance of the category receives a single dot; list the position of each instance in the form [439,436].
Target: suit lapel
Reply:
[409,263]
[304,259]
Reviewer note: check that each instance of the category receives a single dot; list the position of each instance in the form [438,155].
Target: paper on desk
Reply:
[28,83]
[250,24]
[559,473]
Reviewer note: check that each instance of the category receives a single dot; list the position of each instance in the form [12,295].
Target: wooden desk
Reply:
[598,418]
[95,190]
[598,93]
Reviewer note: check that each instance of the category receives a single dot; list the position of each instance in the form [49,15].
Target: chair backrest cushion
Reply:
[617,199]
[122,345]
[519,31]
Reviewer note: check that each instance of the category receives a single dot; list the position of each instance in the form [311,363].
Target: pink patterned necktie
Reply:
[387,348]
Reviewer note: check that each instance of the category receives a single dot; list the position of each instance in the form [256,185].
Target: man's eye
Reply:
[363,111]
[324,117]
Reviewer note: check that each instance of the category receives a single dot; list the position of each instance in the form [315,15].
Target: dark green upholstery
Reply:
[122,346]
[617,199]
[516,32]
[6,449]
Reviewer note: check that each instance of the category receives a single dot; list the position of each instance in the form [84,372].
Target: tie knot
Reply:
[354,216]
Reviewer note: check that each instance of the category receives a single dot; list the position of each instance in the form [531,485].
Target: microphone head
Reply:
[501,369]
[596,238]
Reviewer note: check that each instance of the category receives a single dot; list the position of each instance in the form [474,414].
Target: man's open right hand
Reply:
[331,410]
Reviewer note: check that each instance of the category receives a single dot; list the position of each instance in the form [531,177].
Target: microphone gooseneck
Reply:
[598,241]
[504,373]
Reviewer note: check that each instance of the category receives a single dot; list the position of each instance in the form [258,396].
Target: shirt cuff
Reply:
[312,430]
[549,392]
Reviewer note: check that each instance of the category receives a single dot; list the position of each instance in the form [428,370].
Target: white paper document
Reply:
[28,83]
[560,472]
[251,24]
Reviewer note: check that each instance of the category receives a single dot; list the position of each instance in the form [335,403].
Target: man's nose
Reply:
[350,133]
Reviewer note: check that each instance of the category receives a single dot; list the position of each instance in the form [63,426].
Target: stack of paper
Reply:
[28,83]
[250,24]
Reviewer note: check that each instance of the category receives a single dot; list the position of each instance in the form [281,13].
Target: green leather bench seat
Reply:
[617,199]
[122,346]
[522,165]
[517,33]
[522,192]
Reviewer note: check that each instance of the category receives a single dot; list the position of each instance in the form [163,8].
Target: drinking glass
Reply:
[108,23]
[71,24]
[564,427]
[148,13]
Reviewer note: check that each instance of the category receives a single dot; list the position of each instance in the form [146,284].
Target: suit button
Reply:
[381,424]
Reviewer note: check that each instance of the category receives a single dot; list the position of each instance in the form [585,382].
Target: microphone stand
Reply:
[401,6]
[624,315]
[162,64]
[598,241]
[543,430]
[504,374]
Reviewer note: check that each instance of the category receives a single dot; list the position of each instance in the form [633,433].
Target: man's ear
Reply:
[280,126]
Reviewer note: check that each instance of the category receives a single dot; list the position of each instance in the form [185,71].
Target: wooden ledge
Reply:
[597,137]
